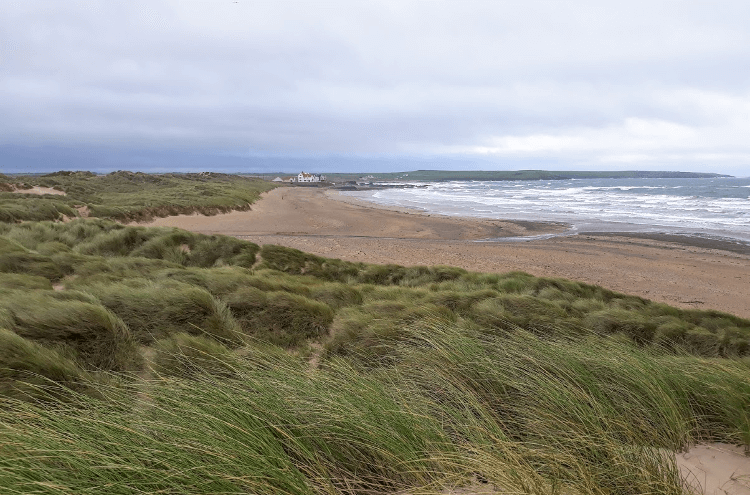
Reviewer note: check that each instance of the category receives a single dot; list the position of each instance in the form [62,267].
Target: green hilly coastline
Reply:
[156,360]
[446,175]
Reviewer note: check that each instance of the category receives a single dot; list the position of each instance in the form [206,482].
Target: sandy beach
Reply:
[678,271]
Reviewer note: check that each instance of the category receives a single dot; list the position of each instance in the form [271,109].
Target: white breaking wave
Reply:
[680,205]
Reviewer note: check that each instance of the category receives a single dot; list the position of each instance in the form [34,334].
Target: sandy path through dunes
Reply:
[308,219]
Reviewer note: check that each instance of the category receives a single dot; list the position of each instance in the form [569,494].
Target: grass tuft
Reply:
[90,333]
[156,310]
[282,318]
[30,371]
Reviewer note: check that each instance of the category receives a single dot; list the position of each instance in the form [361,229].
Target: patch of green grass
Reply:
[275,429]
[73,323]
[616,320]
[460,302]
[367,331]
[593,398]
[131,196]
[336,295]
[281,318]
[87,270]
[16,207]
[189,356]
[30,263]
[22,281]
[296,262]
[8,246]
[156,310]
[29,371]
[218,281]
[173,245]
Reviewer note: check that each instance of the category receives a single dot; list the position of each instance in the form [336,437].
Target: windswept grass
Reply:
[15,207]
[293,296]
[280,317]
[166,361]
[190,356]
[34,372]
[23,281]
[128,196]
[23,261]
[72,323]
[452,408]
[156,310]
[173,245]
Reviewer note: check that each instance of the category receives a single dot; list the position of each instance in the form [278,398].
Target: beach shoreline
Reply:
[701,273]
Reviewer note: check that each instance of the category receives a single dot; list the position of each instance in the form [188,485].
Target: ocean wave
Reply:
[691,204]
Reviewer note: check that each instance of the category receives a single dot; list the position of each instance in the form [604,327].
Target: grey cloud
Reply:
[404,77]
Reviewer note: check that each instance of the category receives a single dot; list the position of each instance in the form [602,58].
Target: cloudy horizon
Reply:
[390,85]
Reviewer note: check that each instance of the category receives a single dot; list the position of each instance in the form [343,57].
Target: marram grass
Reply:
[128,196]
[146,360]
[446,413]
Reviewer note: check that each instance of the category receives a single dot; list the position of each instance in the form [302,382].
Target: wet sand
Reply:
[674,270]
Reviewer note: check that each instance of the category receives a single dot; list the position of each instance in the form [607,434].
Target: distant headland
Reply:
[504,175]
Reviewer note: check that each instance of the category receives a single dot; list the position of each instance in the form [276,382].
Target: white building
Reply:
[305,177]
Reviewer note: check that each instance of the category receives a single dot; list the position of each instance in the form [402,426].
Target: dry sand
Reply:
[38,190]
[716,469]
[671,270]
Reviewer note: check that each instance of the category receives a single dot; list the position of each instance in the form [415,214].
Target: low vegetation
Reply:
[154,360]
[125,196]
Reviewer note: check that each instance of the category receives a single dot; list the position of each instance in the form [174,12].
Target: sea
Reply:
[716,208]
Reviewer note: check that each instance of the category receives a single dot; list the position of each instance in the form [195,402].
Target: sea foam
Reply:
[718,207]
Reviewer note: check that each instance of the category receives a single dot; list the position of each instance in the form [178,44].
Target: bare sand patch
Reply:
[715,469]
[663,270]
[38,190]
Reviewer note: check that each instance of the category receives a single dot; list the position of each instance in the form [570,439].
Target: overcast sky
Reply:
[660,85]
